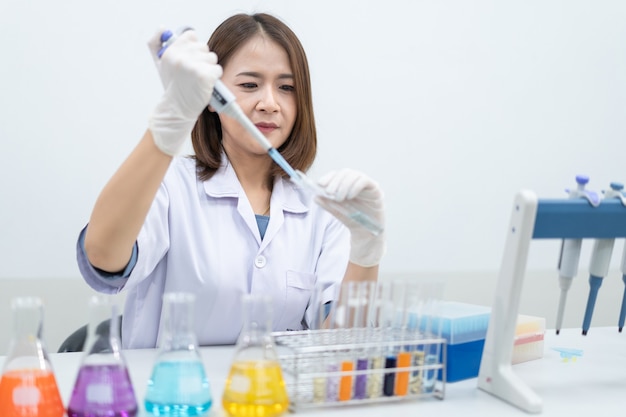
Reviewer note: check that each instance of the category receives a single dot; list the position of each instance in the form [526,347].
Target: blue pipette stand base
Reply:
[532,218]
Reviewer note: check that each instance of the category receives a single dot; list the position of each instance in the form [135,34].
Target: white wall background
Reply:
[452,105]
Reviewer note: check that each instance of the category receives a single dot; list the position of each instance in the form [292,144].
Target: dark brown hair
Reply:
[301,146]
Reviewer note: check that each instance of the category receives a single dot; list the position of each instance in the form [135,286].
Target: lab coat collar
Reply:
[224,183]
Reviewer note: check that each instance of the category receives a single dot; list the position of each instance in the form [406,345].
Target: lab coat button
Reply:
[260,261]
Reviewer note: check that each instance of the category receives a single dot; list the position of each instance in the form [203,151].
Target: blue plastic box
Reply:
[464,326]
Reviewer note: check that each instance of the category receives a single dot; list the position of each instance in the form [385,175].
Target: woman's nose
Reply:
[267,100]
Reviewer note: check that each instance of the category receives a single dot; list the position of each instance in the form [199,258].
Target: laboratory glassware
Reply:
[178,385]
[103,387]
[28,387]
[255,386]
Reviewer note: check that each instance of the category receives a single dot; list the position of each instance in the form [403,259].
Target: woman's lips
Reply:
[266,127]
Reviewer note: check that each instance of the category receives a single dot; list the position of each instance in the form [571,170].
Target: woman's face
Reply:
[260,77]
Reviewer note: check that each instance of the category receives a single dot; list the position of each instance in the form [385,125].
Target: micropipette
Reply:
[622,312]
[570,252]
[600,262]
[598,269]
[616,192]
[223,101]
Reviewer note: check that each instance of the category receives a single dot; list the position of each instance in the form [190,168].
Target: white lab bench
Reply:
[594,384]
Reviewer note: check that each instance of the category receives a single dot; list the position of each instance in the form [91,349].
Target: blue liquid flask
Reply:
[178,385]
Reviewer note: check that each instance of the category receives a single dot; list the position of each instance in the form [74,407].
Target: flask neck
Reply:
[257,322]
[253,335]
[103,330]
[177,331]
[26,349]
[27,323]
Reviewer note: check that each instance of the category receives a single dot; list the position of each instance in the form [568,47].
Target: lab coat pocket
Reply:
[299,288]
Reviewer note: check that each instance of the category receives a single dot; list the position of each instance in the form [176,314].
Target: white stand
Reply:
[534,219]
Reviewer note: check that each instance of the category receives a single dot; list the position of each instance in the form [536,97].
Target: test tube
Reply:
[378,312]
[415,305]
[394,324]
[318,313]
[361,301]
[358,214]
[345,319]
[406,355]
[431,323]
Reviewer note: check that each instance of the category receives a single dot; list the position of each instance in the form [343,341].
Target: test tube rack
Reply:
[313,368]
[534,218]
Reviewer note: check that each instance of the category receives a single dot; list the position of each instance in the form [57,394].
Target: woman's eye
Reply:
[248,85]
[287,87]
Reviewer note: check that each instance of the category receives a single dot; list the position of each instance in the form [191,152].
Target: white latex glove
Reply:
[359,190]
[188,71]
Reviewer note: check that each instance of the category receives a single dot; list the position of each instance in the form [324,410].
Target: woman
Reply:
[226,221]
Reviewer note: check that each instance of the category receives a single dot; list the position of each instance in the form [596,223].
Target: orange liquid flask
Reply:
[28,387]
[255,386]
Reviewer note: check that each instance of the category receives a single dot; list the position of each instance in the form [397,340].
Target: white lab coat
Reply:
[202,237]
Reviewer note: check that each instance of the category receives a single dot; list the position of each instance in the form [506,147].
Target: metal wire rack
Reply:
[339,367]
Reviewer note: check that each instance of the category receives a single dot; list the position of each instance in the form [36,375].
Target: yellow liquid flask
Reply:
[255,386]
[28,387]
[178,385]
[103,387]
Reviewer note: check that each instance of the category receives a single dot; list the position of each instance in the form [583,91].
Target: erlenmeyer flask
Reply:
[178,385]
[103,387]
[28,387]
[255,386]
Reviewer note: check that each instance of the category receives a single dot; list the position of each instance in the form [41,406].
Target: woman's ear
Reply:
[211,109]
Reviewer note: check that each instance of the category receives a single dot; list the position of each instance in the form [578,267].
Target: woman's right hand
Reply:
[188,72]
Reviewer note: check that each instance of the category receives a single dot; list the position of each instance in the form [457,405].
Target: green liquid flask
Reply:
[103,387]
[28,387]
[255,386]
[178,385]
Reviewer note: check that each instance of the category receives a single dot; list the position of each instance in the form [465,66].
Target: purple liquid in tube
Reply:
[103,391]
[360,385]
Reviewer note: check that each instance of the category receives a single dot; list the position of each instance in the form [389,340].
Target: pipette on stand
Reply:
[616,192]
[598,269]
[223,101]
[600,262]
[570,252]
[622,312]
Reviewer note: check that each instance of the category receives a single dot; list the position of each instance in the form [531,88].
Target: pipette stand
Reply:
[532,218]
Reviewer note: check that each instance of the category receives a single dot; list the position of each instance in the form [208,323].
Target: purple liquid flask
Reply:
[103,387]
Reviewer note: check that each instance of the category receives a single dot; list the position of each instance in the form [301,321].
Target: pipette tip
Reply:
[620,329]
[558,331]
[585,332]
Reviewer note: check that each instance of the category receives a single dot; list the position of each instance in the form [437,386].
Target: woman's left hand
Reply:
[358,190]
